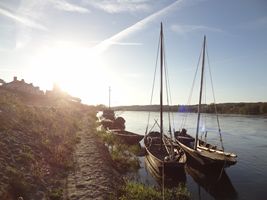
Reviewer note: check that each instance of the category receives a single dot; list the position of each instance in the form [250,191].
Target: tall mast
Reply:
[109,91]
[200,92]
[161,82]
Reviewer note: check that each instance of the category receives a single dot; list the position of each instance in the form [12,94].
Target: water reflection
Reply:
[170,180]
[216,182]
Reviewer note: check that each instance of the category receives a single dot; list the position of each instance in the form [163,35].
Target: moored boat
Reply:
[160,155]
[127,137]
[200,151]
[108,119]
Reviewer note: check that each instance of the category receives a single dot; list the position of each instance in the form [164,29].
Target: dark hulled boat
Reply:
[127,137]
[108,119]
[160,155]
[197,150]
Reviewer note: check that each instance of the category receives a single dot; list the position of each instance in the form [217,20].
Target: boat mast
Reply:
[109,91]
[161,83]
[200,93]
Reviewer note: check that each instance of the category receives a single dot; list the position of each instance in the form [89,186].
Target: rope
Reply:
[215,107]
[153,85]
[204,108]
[168,93]
[220,176]
[191,92]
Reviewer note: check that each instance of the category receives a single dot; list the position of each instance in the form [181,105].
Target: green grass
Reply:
[56,194]
[138,191]
[124,156]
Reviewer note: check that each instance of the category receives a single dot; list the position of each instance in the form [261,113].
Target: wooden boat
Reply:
[127,137]
[162,157]
[199,151]
[170,180]
[108,119]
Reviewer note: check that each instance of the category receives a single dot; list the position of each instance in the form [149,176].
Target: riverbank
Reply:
[49,150]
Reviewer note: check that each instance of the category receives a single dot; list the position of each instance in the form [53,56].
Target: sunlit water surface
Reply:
[246,136]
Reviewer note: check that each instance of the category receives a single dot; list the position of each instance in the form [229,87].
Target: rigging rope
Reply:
[191,93]
[168,93]
[153,85]
[204,107]
[215,107]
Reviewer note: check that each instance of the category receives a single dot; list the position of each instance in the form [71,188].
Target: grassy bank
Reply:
[124,156]
[37,139]
[125,160]
[138,191]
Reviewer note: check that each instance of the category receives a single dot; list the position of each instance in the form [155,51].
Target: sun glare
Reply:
[75,69]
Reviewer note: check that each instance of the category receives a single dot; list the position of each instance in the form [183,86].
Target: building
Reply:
[22,86]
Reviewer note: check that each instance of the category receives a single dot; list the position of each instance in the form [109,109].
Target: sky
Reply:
[87,46]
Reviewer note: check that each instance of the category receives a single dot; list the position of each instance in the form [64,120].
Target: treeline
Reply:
[259,108]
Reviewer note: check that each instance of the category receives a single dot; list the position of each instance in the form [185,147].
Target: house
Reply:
[22,86]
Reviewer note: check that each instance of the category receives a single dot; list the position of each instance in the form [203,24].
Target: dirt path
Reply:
[94,176]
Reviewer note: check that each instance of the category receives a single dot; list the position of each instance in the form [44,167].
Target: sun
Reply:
[77,70]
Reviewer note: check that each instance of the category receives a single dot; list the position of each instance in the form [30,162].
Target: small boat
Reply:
[160,152]
[200,151]
[108,119]
[127,137]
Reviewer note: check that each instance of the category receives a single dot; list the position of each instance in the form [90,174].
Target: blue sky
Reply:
[88,45]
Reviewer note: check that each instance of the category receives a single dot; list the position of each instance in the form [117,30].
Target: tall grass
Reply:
[123,155]
[138,191]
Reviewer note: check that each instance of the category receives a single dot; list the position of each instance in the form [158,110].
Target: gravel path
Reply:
[94,176]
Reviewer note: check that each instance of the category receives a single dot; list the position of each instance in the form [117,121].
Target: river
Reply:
[245,136]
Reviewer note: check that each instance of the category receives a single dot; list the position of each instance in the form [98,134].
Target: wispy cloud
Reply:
[117,6]
[66,6]
[183,29]
[255,24]
[25,21]
[104,45]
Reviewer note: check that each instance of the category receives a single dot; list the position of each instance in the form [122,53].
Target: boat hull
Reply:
[157,156]
[127,137]
[206,157]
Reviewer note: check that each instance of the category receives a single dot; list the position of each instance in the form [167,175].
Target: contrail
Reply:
[22,20]
[104,45]
[66,6]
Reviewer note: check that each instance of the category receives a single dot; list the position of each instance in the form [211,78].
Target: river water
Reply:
[245,136]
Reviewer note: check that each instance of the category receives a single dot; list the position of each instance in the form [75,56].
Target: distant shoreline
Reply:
[259,108]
